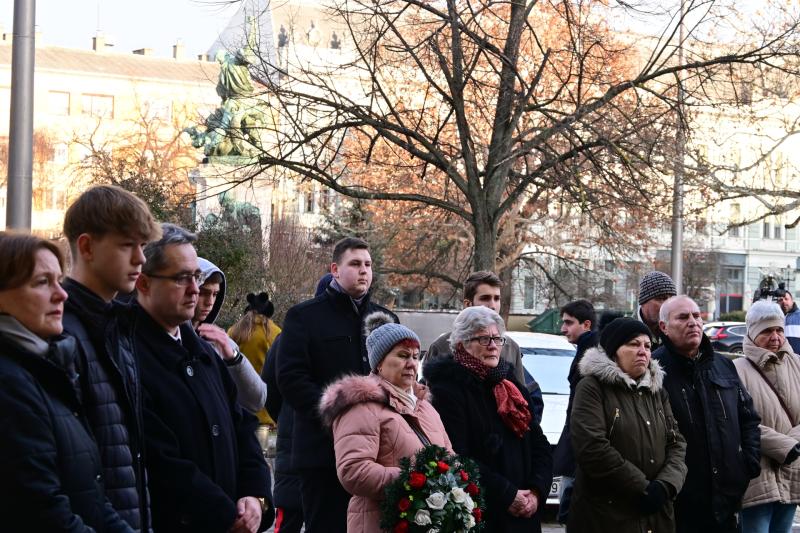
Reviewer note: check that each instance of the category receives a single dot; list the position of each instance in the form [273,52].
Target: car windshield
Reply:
[549,367]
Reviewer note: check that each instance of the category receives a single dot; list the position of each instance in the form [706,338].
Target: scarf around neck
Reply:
[511,405]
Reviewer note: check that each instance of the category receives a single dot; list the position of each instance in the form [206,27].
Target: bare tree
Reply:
[483,109]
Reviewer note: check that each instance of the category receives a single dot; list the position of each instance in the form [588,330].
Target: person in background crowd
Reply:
[322,340]
[487,416]
[51,476]
[792,325]
[207,472]
[606,318]
[629,451]
[654,289]
[370,416]
[251,390]
[106,228]
[483,288]
[578,321]
[255,333]
[771,372]
[716,416]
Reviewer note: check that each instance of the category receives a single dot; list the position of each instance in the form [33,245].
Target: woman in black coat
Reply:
[487,417]
[50,471]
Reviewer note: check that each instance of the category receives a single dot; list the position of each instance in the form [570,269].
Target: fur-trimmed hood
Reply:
[596,363]
[350,390]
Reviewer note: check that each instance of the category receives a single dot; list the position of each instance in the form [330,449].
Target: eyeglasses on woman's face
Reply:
[485,340]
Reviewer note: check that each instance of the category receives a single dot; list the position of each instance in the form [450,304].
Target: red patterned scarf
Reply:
[511,405]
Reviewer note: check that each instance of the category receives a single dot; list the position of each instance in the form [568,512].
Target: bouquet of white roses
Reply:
[435,493]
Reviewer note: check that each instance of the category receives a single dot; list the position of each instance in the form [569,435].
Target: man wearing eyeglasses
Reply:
[207,472]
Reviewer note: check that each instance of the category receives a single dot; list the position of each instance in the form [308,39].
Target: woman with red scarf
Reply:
[487,417]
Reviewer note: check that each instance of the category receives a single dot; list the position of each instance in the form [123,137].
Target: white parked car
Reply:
[548,358]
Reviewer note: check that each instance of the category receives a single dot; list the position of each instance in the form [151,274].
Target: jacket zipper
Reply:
[688,408]
[614,422]
[724,413]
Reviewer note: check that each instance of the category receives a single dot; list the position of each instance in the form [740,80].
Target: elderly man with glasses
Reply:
[207,472]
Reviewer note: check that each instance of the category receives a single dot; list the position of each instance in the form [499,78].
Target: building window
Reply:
[530,292]
[735,231]
[608,287]
[609,266]
[766,233]
[158,109]
[97,105]
[58,103]
[777,230]
[61,154]
[309,201]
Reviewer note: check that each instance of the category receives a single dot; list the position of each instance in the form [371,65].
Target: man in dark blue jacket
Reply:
[107,228]
[207,471]
[578,324]
[715,415]
[323,339]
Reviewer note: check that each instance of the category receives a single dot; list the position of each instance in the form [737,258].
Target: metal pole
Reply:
[677,193]
[20,145]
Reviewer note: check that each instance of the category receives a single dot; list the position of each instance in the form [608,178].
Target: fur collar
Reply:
[596,363]
[350,390]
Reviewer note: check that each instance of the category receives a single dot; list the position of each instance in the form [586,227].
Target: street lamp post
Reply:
[20,145]
[677,193]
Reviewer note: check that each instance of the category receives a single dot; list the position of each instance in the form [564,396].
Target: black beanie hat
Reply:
[618,332]
[260,304]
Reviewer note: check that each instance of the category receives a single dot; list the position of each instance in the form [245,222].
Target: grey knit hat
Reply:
[656,284]
[383,334]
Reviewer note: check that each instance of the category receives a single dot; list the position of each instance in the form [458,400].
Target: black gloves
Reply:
[653,498]
[793,454]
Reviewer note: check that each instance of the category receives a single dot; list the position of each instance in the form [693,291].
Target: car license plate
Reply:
[555,491]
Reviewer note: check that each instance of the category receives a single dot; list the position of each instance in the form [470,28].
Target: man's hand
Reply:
[522,506]
[248,516]
[217,336]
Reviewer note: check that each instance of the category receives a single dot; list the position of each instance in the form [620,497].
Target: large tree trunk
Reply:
[485,252]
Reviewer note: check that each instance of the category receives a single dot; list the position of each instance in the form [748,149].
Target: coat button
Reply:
[99,478]
[647,422]
[714,470]
[189,371]
[75,414]
[215,430]
[652,461]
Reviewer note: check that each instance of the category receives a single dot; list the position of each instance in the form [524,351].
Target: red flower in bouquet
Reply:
[442,467]
[417,480]
[401,527]
[477,514]
[404,504]
[464,476]
[472,489]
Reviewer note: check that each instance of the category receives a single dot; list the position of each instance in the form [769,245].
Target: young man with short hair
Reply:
[792,327]
[323,339]
[107,228]
[578,324]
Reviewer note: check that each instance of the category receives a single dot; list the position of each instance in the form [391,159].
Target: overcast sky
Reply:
[132,24]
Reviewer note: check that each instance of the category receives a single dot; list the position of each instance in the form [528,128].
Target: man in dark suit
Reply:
[207,472]
[323,339]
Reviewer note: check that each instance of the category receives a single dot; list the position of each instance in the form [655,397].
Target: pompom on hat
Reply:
[618,332]
[656,284]
[383,334]
[260,304]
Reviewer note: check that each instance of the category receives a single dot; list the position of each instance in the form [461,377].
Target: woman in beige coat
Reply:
[771,373]
[379,419]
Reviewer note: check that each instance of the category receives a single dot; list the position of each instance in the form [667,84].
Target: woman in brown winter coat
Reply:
[628,451]
[379,419]
[771,372]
